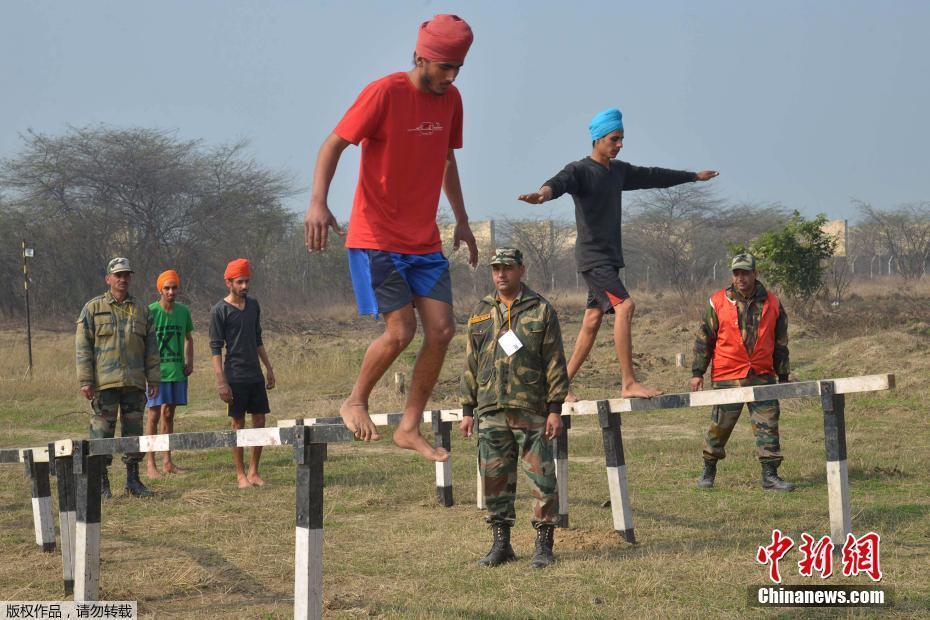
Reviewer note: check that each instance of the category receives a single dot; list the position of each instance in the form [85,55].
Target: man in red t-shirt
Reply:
[408,125]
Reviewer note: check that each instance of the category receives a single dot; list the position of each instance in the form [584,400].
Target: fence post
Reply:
[616,471]
[87,522]
[442,432]
[41,502]
[834,436]
[561,469]
[308,547]
[64,472]
[479,500]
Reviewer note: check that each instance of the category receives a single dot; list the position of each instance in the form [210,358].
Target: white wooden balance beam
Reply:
[309,438]
[831,392]
[79,492]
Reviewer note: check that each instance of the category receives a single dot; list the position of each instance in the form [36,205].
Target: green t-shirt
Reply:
[171,329]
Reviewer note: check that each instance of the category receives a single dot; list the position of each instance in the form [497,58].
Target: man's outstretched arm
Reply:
[565,182]
[452,186]
[640,177]
[319,218]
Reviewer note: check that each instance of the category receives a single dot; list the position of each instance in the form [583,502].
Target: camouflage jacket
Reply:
[749,312]
[116,344]
[534,378]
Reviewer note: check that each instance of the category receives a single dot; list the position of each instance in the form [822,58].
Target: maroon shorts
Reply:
[605,288]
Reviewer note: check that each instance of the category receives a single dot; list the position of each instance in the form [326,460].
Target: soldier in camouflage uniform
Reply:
[117,357]
[516,380]
[745,333]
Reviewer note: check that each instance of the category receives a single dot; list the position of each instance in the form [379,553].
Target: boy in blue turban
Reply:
[596,183]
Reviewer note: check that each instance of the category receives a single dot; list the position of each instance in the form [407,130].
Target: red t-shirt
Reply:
[405,135]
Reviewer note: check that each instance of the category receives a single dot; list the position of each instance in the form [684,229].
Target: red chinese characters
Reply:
[774,552]
[861,555]
[817,556]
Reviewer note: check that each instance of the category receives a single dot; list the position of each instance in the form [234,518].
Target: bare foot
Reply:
[255,480]
[356,418]
[413,440]
[171,468]
[571,398]
[638,390]
[151,472]
[244,482]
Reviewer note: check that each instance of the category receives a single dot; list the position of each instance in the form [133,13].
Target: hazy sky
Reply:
[809,104]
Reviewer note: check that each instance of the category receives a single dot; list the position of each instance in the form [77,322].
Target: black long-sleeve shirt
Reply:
[241,333]
[597,192]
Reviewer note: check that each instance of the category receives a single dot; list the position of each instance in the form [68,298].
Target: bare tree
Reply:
[904,234]
[546,246]
[669,230]
[97,192]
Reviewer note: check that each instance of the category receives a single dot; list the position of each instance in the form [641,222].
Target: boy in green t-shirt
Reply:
[173,328]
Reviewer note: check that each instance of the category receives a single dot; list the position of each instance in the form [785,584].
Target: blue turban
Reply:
[604,122]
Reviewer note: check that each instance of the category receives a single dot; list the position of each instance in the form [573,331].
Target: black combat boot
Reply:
[543,556]
[706,481]
[134,486]
[501,551]
[771,481]
[105,492]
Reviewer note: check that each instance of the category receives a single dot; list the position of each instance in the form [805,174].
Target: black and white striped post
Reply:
[834,436]
[308,546]
[87,471]
[64,472]
[616,471]
[561,469]
[479,486]
[41,501]
[442,433]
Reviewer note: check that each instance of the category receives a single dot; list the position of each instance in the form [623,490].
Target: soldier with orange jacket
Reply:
[744,333]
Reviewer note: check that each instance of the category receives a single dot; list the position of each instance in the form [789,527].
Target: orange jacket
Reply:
[731,361]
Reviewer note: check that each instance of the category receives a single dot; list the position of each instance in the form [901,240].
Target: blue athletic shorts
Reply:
[170,393]
[386,281]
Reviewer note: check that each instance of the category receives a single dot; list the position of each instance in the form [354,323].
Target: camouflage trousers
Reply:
[762,414]
[500,433]
[128,403]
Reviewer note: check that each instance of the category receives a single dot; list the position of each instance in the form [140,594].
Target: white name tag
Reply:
[510,343]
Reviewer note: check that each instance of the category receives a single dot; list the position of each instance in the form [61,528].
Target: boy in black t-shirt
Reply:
[596,184]
[235,322]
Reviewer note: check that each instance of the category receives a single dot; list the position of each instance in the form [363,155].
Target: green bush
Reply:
[792,258]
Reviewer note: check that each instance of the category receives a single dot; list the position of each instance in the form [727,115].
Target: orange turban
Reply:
[168,276]
[239,268]
[445,37]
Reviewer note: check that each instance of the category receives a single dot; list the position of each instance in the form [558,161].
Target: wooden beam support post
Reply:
[834,436]
[41,502]
[64,472]
[87,522]
[561,470]
[616,471]
[442,433]
[308,547]
[479,490]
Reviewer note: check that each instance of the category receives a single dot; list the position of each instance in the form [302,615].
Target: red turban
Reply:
[239,268]
[168,276]
[445,37]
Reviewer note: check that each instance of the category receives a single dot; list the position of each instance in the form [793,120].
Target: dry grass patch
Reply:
[202,548]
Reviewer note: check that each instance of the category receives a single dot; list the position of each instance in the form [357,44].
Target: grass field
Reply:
[203,548]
